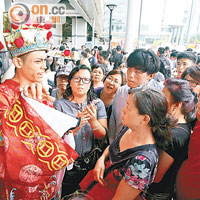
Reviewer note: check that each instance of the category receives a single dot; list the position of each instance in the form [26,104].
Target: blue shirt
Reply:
[84,136]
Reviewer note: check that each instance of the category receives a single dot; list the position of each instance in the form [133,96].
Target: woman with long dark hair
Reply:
[80,101]
[146,130]
[182,106]
[187,183]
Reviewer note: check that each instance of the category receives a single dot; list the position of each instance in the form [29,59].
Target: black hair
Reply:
[167,48]
[96,66]
[198,59]
[84,54]
[118,48]
[68,92]
[100,48]
[182,92]
[187,54]
[47,65]
[62,48]
[161,50]
[144,60]
[87,50]
[94,52]
[53,64]
[173,54]
[174,50]
[78,62]
[113,72]
[189,49]
[193,72]
[153,103]
[104,54]
[73,49]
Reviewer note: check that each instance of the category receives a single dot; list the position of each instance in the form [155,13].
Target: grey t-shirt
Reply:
[54,93]
[84,136]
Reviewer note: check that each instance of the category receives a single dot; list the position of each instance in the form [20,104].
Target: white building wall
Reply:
[57,35]
[79,32]
[133,12]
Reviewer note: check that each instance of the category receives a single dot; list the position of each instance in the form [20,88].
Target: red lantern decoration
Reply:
[48,25]
[49,35]
[67,52]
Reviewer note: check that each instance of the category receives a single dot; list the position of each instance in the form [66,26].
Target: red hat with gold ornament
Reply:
[24,38]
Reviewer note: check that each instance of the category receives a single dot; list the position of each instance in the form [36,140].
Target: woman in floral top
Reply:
[146,130]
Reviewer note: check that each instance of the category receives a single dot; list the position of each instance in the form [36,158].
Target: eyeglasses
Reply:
[77,79]
[110,79]
[192,83]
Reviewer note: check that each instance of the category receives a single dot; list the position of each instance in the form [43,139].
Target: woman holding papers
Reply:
[79,101]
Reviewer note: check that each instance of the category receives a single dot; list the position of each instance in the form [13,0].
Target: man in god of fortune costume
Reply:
[30,151]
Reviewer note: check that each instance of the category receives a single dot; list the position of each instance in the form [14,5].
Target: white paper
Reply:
[58,121]
[69,139]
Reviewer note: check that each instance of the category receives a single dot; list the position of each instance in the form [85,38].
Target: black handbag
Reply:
[88,161]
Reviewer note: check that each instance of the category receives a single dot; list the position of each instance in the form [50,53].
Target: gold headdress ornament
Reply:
[21,39]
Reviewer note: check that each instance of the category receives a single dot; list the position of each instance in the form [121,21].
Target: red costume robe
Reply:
[188,179]
[30,150]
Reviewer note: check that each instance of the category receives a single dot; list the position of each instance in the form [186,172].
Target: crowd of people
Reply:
[142,108]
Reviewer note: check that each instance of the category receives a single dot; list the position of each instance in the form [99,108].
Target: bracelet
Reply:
[98,127]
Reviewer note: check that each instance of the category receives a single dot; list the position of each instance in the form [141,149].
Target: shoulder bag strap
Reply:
[118,165]
[107,171]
